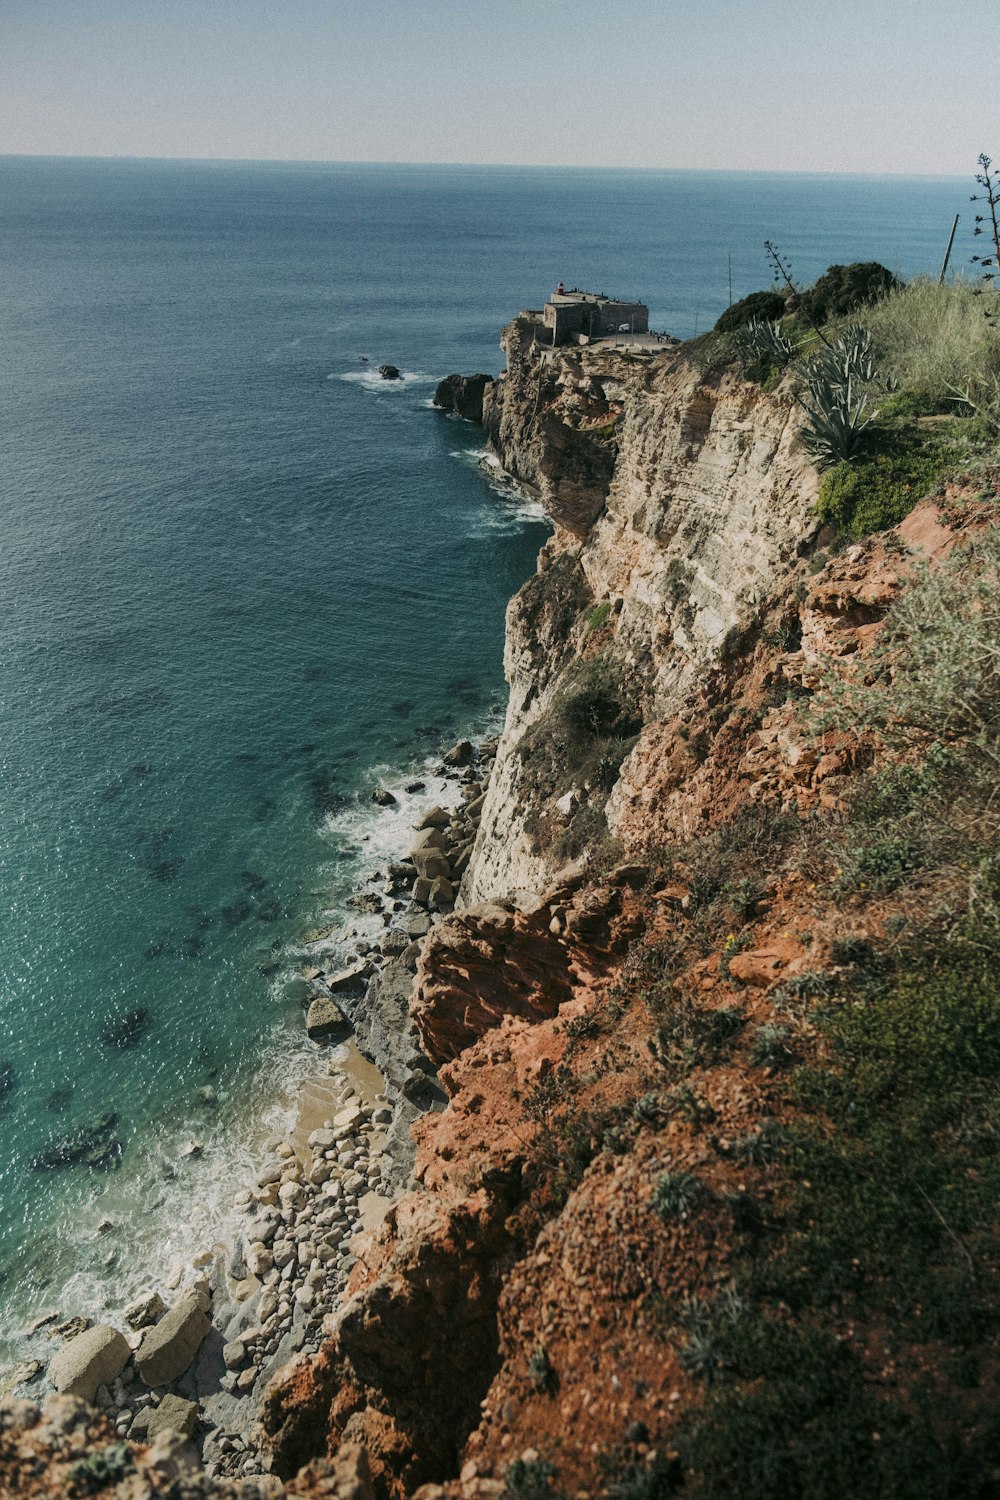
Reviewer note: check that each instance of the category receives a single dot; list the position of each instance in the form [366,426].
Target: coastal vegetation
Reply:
[851,1351]
[900,384]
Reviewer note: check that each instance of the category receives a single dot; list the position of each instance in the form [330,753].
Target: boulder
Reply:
[427,841]
[434,817]
[351,978]
[95,1357]
[365,901]
[442,894]
[432,864]
[168,1349]
[324,1018]
[234,1354]
[22,1374]
[383,798]
[459,754]
[421,891]
[173,1415]
[390,372]
[349,1118]
[145,1310]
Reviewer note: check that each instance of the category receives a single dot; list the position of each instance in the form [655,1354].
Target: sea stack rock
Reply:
[390,372]
[463,394]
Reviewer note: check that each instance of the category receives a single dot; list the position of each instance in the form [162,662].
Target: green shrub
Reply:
[529,1479]
[540,1371]
[91,1475]
[578,742]
[843,289]
[879,490]
[935,673]
[765,350]
[676,1194]
[745,895]
[879,866]
[897,1156]
[801,1423]
[654,1480]
[757,307]
[593,708]
[598,616]
[761,1147]
[771,1047]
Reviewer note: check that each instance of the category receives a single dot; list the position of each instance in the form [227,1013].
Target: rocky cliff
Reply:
[680,501]
[709,1210]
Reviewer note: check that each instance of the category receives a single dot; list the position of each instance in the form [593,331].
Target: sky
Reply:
[814,85]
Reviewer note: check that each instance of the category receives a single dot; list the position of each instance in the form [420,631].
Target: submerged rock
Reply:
[8,1082]
[94,1144]
[127,1030]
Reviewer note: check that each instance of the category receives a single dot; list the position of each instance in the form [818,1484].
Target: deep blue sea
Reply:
[242,580]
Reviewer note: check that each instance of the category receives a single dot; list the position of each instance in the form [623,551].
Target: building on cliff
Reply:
[581,317]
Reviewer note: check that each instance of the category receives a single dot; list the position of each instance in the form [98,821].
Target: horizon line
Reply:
[308,161]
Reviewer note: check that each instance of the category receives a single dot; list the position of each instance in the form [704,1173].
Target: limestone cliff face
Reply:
[680,501]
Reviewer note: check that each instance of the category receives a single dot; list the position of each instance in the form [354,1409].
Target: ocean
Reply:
[244,581]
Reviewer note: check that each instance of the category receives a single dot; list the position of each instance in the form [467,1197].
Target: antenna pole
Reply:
[947,253]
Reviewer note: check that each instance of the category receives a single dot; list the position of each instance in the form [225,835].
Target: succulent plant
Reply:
[763,342]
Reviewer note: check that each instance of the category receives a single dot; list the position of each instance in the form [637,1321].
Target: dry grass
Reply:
[933,338]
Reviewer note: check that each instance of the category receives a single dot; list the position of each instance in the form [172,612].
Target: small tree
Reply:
[781,271]
[989,181]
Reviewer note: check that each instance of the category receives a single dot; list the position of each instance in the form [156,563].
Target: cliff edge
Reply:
[710,1209]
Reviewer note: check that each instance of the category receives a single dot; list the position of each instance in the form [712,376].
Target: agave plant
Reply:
[762,341]
[837,423]
[851,358]
[835,380]
[980,397]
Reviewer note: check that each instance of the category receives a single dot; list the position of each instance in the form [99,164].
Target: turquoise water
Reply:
[243,580]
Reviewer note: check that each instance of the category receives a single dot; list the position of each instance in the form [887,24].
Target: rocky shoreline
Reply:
[199,1366]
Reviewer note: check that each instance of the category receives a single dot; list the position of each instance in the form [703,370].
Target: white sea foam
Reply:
[370,379]
[518,505]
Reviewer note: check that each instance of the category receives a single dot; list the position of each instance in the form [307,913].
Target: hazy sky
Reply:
[842,85]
